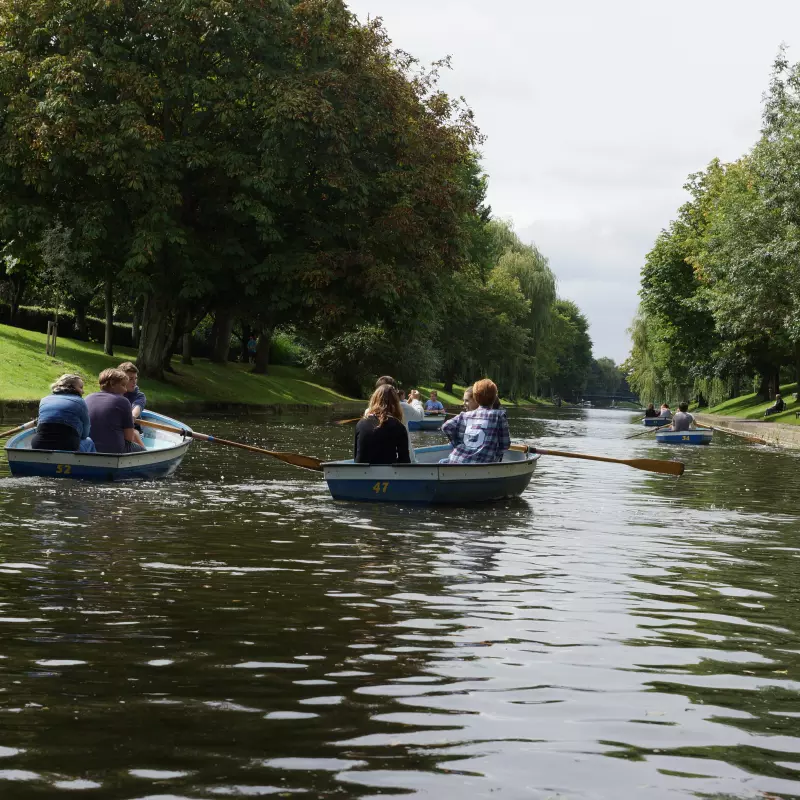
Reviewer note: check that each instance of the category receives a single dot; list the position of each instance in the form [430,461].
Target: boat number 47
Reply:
[63,469]
[380,486]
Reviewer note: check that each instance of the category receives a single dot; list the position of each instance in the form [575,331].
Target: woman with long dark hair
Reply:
[381,437]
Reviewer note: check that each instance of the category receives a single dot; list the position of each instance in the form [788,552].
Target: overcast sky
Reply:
[595,113]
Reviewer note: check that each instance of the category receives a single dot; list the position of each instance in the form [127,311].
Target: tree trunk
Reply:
[81,325]
[774,382]
[108,346]
[763,388]
[17,288]
[262,352]
[449,379]
[186,348]
[223,322]
[797,364]
[155,335]
[136,326]
[172,343]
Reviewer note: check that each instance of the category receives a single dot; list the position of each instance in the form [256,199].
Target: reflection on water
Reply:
[234,632]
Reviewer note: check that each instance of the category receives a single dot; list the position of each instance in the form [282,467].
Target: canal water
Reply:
[233,632]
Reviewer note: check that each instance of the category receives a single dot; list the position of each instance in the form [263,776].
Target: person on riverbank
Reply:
[381,437]
[480,436]
[111,415]
[133,394]
[683,420]
[434,405]
[650,411]
[665,412]
[63,422]
[252,349]
[777,407]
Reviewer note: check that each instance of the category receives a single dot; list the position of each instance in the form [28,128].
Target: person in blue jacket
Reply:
[63,422]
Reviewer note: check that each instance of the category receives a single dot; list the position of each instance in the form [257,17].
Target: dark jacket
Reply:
[385,444]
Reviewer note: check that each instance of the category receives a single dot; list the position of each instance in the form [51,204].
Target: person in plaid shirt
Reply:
[480,436]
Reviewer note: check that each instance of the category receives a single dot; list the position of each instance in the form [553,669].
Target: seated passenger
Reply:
[381,437]
[650,411]
[665,413]
[777,407]
[133,394]
[411,411]
[683,420]
[111,415]
[480,436]
[63,422]
[434,406]
[470,403]
[415,403]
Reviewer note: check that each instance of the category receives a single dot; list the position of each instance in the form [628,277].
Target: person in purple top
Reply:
[480,436]
[111,415]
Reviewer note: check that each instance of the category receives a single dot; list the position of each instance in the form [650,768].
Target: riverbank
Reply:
[751,407]
[27,373]
[774,433]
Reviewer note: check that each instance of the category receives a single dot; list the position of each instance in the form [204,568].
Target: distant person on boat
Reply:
[133,394]
[411,411]
[111,415]
[63,422]
[665,412]
[777,407]
[381,437]
[434,405]
[650,411]
[480,436]
[683,420]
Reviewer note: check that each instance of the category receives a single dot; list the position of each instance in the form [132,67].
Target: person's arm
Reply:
[132,435]
[86,425]
[451,428]
[139,403]
[128,431]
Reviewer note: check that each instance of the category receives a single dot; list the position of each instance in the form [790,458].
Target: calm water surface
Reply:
[233,632]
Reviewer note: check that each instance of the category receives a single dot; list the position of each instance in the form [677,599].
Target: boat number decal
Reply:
[63,469]
[380,486]
[685,438]
[474,435]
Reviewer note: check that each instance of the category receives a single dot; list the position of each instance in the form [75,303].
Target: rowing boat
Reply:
[431,422]
[164,452]
[695,436]
[655,422]
[427,481]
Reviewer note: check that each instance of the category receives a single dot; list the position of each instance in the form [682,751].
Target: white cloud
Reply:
[595,114]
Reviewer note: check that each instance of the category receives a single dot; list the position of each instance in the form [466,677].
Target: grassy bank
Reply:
[748,406]
[26,374]
[457,396]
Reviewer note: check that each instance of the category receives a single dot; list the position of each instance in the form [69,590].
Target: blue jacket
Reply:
[136,398]
[66,409]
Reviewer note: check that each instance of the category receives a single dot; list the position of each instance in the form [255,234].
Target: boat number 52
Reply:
[63,469]
[475,435]
[380,486]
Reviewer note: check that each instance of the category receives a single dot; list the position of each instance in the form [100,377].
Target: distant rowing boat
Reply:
[655,422]
[431,422]
[163,455]
[696,436]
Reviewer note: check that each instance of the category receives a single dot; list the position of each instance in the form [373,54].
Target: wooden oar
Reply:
[307,462]
[25,427]
[651,429]
[647,464]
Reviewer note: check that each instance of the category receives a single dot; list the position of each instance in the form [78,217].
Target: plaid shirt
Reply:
[478,437]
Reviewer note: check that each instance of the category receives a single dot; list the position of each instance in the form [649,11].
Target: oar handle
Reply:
[18,429]
[647,464]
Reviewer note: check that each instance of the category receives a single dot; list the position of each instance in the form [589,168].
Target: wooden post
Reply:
[52,336]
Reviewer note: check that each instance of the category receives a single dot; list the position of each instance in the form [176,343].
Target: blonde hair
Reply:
[66,384]
[484,392]
[109,377]
[385,403]
[128,367]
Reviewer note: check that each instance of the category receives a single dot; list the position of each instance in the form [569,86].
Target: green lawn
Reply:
[26,374]
[748,406]
[457,397]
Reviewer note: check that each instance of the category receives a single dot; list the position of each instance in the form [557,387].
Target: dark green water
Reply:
[235,633]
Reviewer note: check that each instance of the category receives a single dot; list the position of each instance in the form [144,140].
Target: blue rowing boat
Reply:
[431,422]
[696,436]
[161,458]
[427,481]
[655,422]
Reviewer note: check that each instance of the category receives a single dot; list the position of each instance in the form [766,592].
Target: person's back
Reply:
[665,412]
[682,421]
[109,414]
[650,411]
[480,436]
[63,420]
[381,444]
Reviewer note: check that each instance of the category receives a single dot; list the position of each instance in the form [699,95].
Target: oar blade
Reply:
[657,465]
[298,460]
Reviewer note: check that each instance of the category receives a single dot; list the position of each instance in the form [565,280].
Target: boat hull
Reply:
[655,422]
[163,456]
[697,436]
[432,423]
[428,482]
